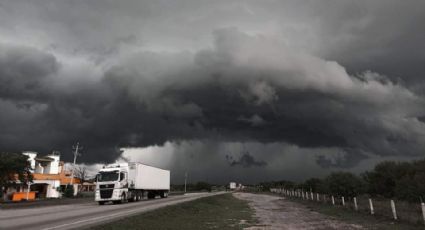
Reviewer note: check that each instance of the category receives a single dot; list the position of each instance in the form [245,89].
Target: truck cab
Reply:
[112,184]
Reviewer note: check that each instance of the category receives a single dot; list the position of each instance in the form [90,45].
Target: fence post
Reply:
[371,206]
[333,200]
[343,201]
[393,209]
[312,197]
[317,196]
[355,204]
[423,210]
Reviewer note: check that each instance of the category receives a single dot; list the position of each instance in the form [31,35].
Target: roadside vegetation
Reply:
[359,218]
[13,167]
[389,179]
[216,212]
[400,184]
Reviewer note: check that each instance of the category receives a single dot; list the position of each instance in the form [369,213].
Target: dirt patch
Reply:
[275,212]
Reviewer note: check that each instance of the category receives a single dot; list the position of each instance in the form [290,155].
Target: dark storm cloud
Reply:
[24,72]
[344,159]
[334,74]
[246,161]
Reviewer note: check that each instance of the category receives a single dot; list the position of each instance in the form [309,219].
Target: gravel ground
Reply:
[275,212]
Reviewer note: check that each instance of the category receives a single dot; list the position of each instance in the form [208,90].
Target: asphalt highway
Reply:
[83,215]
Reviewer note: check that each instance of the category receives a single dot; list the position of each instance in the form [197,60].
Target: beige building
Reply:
[49,178]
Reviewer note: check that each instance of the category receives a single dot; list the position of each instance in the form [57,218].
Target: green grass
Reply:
[216,212]
[360,218]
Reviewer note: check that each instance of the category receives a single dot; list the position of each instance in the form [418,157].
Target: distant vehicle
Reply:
[131,182]
[232,185]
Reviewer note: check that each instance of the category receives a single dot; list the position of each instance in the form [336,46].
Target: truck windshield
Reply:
[107,176]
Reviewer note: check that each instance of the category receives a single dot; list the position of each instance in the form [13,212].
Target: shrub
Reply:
[69,191]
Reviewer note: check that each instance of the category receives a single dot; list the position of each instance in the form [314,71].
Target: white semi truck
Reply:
[131,182]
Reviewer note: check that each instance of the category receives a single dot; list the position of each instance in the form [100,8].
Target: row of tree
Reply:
[389,179]
[199,186]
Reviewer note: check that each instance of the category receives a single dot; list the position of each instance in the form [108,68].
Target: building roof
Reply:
[45,159]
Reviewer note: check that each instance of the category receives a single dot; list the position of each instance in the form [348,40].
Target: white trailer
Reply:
[131,182]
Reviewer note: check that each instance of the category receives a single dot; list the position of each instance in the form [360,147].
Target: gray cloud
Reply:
[24,72]
[246,161]
[318,75]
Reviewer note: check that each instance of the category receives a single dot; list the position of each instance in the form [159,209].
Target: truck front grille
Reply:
[106,186]
[106,193]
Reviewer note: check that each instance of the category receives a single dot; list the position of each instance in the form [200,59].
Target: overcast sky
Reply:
[226,90]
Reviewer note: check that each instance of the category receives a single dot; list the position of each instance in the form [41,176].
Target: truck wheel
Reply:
[151,195]
[164,194]
[101,202]
[123,199]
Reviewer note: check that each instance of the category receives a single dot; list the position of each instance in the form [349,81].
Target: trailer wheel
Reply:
[151,195]
[132,197]
[164,194]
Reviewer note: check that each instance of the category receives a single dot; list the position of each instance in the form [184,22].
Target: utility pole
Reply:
[185,180]
[76,153]
[28,190]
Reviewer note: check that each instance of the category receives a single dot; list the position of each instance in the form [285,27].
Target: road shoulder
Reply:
[273,212]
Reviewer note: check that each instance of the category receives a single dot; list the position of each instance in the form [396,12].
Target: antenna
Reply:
[76,148]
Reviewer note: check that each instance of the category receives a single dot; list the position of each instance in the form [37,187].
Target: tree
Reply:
[315,184]
[203,186]
[81,173]
[14,168]
[410,186]
[383,179]
[344,184]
